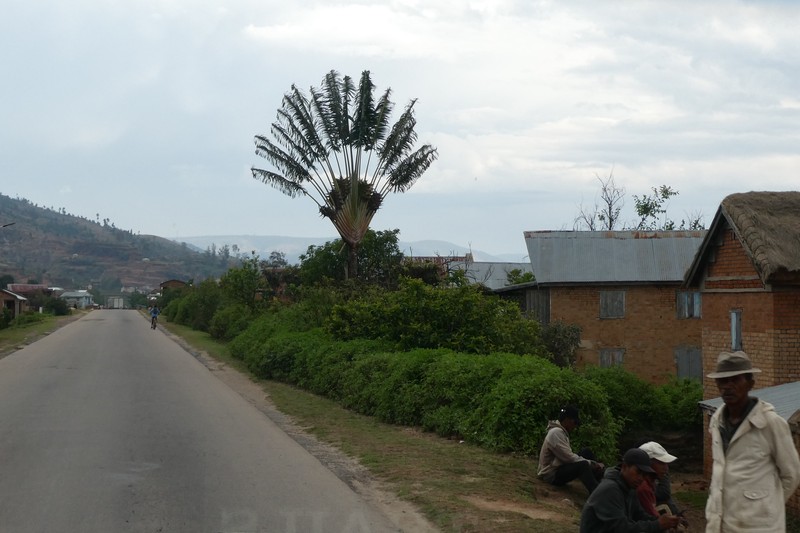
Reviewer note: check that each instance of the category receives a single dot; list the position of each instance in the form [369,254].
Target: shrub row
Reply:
[501,401]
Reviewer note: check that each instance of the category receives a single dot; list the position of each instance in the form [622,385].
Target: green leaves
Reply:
[320,142]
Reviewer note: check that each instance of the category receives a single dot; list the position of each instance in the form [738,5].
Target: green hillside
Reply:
[64,250]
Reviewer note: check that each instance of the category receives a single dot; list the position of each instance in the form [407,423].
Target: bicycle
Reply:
[153,322]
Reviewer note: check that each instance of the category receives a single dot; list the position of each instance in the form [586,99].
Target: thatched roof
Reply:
[768,226]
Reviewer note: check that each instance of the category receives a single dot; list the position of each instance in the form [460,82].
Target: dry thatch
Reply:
[768,224]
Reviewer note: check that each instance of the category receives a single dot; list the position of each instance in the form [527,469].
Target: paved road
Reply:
[108,426]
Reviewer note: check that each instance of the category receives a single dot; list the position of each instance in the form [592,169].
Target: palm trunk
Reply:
[352,262]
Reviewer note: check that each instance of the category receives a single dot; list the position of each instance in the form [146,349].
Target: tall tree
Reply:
[336,147]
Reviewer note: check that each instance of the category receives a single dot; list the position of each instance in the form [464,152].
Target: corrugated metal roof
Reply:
[76,294]
[494,275]
[785,398]
[611,256]
[13,294]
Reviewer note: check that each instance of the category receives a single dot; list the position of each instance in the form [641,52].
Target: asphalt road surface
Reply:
[108,426]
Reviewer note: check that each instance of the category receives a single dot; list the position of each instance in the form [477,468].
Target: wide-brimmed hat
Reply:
[639,459]
[732,364]
[656,451]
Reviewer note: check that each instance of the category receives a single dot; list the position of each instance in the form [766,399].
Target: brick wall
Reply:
[649,332]
[770,318]
[760,339]
[732,267]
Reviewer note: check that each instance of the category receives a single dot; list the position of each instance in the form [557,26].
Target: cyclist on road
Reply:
[154,312]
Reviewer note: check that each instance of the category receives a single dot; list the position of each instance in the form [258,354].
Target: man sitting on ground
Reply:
[655,493]
[613,506]
[558,464]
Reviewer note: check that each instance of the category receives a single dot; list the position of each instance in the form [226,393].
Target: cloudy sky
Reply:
[144,112]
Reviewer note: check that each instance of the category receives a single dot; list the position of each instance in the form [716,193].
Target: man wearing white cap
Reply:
[756,466]
[655,494]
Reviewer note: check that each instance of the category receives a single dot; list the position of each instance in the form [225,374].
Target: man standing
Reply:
[756,466]
[558,464]
[614,508]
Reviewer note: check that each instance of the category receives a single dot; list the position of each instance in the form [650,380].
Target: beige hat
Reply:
[656,451]
[732,364]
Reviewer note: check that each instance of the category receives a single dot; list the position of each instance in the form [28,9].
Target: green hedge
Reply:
[421,316]
[501,401]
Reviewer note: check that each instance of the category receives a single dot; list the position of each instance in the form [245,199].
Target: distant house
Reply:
[624,290]
[29,288]
[492,275]
[748,271]
[78,299]
[172,284]
[15,303]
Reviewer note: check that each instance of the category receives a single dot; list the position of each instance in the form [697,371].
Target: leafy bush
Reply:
[643,407]
[322,369]
[196,306]
[513,415]
[420,316]
[679,399]
[501,401]
[230,321]
[454,387]
[562,341]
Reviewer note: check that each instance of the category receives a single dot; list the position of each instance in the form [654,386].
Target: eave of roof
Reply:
[770,240]
[785,398]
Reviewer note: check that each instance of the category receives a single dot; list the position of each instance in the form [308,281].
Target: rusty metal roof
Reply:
[567,257]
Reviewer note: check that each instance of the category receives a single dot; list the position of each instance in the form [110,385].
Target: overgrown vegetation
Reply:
[442,356]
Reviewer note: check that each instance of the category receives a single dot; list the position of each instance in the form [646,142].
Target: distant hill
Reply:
[293,247]
[63,250]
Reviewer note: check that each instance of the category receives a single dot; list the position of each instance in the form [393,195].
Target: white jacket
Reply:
[751,483]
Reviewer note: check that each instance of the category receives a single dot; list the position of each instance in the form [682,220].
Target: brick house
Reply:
[15,303]
[748,271]
[172,284]
[623,288]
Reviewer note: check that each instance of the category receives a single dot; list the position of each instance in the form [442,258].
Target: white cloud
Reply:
[526,102]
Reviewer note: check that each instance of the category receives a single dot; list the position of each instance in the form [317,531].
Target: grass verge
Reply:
[16,337]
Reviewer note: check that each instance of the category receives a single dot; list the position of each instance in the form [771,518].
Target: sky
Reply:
[145,112]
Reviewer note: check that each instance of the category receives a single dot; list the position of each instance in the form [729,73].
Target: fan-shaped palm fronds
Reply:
[322,147]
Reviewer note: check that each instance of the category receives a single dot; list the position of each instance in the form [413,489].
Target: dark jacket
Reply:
[613,508]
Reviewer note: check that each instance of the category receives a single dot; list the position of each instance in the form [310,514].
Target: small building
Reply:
[78,299]
[172,284]
[624,290]
[15,303]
